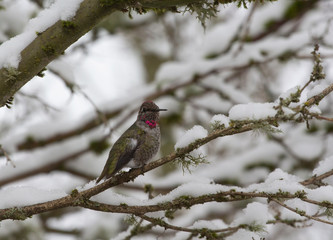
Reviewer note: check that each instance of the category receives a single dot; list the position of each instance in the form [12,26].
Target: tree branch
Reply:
[317,179]
[75,197]
[300,212]
[51,43]
[82,198]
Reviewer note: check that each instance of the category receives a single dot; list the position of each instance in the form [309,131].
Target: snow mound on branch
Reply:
[213,224]
[254,213]
[10,51]
[324,166]
[23,196]
[252,111]
[220,119]
[190,136]
[278,181]
[323,193]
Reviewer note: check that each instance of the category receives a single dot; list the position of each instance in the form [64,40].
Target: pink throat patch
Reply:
[152,123]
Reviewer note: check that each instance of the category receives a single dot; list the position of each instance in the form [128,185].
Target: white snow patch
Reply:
[324,193]
[190,136]
[254,213]
[10,51]
[214,224]
[293,203]
[277,181]
[220,119]
[316,90]
[252,111]
[324,166]
[23,196]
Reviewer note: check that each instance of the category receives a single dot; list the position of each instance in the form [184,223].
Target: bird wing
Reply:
[122,152]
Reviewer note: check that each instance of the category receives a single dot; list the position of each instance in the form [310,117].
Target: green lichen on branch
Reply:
[11,74]
[217,125]
[49,50]
[188,160]
[300,194]
[317,70]
[300,212]
[68,25]
[16,213]
[253,227]
[131,220]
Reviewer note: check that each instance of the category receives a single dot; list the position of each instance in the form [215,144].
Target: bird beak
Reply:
[162,109]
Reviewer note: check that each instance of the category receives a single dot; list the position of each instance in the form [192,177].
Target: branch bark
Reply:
[51,43]
[76,197]
[82,198]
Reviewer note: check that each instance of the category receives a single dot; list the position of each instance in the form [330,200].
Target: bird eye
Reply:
[144,109]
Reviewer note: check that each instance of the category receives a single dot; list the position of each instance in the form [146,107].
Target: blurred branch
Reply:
[46,47]
[51,43]
[94,122]
[303,162]
[76,197]
[203,232]
[43,169]
[9,160]
[300,212]
[299,114]
[38,99]
[317,180]
[81,198]
[294,12]
[75,87]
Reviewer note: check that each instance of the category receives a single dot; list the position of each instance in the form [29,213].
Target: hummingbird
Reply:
[138,144]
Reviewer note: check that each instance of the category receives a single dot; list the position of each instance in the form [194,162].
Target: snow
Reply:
[277,181]
[243,234]
[287,94]
[254,213]
[17,13]
[213,224]
[110,71]
[323,193]
[190,136]
[306,147]
[316,90]
[23,196]
[41,158]
[187,189]
[324,166]
[235,165]
[252,111]
[293,203]
[10,51]
[7,227]
[220,119]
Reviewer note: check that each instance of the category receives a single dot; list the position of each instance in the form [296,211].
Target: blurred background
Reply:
[61,126]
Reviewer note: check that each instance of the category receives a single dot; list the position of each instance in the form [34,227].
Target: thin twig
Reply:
[75,87]
[301,213]
[323,118]
[166,225]
[38,99]
[9,160]
[315,179]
